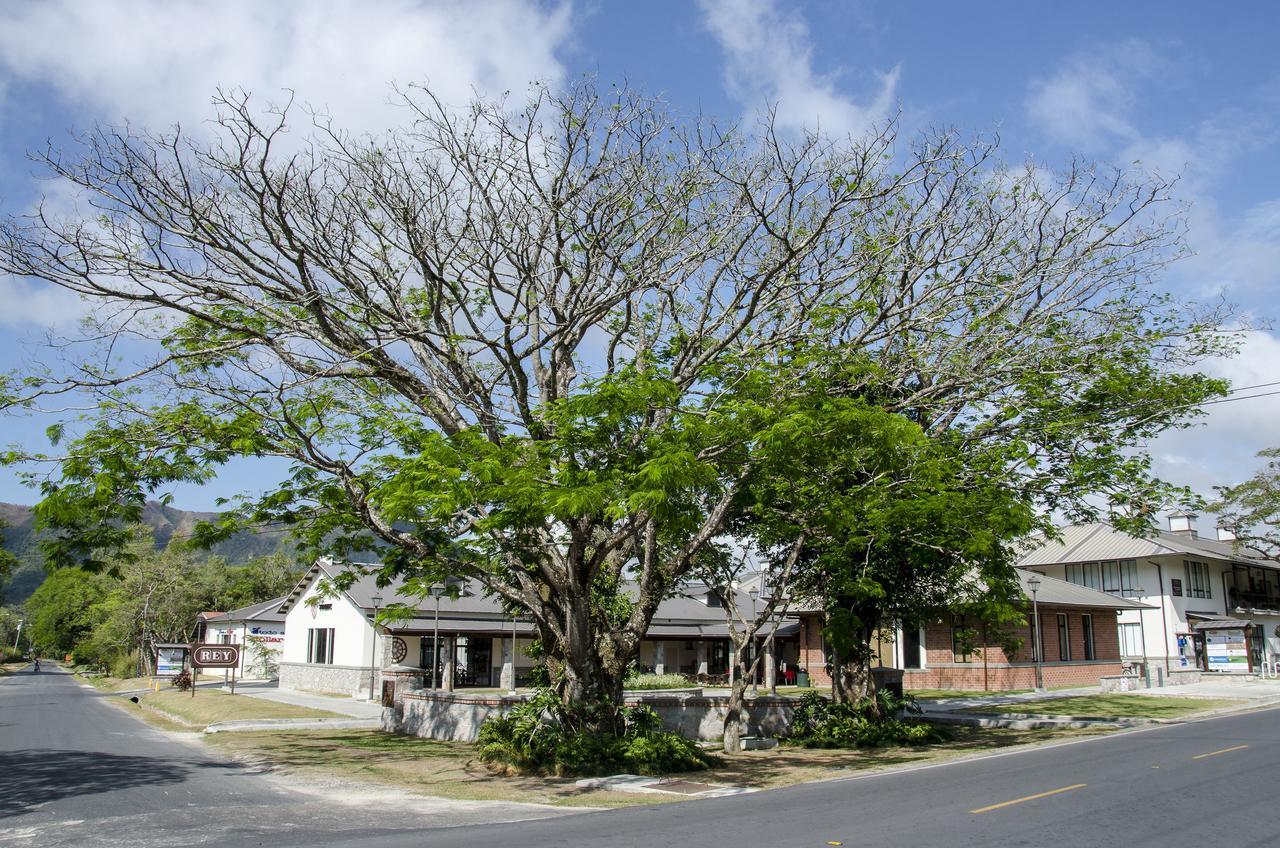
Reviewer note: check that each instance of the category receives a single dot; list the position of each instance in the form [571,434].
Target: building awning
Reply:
[1221,624]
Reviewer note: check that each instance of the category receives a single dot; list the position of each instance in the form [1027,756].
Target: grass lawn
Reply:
[931,694]
[1114,706]
[209,706]
[116,684]
[450,770]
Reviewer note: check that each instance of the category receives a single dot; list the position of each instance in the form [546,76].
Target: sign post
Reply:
[214,656]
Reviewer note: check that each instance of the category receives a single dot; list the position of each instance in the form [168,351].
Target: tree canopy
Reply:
[542,343]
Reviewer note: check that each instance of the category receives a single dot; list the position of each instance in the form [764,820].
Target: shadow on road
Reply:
[32,777]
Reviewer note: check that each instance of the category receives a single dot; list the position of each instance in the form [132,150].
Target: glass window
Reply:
[1086,630]
[961,639]
[1118,577]
[1198,585]
[1131,640]
[320,645]
[1064,638]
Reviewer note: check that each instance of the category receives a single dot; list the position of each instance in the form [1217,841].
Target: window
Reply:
[320,645]
[1198,585]
[1086,630]
[1064,638]
[1131,640]
[1119,577]
[961,640]
[1035,641]
[225,638]
[911,646]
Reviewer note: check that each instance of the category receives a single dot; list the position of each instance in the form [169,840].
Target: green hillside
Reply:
[165,522]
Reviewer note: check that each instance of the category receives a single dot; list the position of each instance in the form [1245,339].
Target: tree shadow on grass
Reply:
[33,777]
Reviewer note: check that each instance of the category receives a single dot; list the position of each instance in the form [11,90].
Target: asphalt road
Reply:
[77,771]
[74,771]
[1207,783]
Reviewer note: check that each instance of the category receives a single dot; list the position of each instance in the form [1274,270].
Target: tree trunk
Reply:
[733,714]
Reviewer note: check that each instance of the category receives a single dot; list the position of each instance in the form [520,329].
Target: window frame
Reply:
[1064,637]
[1199,581]
[320,650]
[1086,632]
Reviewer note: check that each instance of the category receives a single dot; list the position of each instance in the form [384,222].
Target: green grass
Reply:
[929,694]
[210,706]
[658,681]
[1112,706]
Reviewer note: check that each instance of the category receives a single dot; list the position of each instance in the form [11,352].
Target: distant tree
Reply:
[64,611]
[1252,509]
[504,342]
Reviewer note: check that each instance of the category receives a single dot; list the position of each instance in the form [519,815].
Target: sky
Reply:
[1184,88]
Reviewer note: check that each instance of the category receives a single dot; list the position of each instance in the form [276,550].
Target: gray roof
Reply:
[1060,593]
[261,611]
[1097,542]
[685,615]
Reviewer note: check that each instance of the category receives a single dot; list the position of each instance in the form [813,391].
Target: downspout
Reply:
[1164,620]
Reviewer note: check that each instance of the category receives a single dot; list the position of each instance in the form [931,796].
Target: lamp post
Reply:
[1034,585]
[1142,633]
[512,690]
[18,637]
[436,592]
[373,650]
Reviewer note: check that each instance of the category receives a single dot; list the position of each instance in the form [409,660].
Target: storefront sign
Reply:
[215,656]
[1226,650]
[267,635]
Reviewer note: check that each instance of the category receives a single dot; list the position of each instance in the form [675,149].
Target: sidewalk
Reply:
[346,706]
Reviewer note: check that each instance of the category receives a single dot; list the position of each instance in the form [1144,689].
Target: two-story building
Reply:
[259,631]
[1210,606]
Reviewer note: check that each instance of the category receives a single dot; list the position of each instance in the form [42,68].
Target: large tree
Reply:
[1251,509]
[507,341]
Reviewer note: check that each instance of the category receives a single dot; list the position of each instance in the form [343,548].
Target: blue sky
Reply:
[1184,87]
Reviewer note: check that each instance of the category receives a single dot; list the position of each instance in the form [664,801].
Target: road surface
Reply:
[77,771]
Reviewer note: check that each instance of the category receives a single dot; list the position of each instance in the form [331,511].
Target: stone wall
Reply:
[338,679]
[458,716]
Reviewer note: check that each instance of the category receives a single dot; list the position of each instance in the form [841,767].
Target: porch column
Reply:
[507,679]
[770,666]
[659,657]
[451,654]
[702,656]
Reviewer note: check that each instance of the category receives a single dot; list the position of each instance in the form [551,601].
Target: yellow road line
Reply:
[1223,751]
[1028,798]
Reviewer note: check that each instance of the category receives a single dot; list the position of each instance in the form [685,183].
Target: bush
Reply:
[543,736]
[182,681]
[820,723]
[9,655]
[657,681]
[124,665]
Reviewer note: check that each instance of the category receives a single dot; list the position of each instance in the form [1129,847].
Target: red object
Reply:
[789,677]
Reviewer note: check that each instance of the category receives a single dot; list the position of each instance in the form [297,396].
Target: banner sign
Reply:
[1226,650]
[215,656]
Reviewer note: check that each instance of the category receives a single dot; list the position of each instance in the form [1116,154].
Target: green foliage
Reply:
[542,735]
[657,681]
[1252,508]
[869,723]
[64,611]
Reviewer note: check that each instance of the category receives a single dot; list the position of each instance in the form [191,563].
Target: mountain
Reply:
[166,523]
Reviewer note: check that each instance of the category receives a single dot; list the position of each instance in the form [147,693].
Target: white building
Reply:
[259,631]
[331,645]
[1211,607]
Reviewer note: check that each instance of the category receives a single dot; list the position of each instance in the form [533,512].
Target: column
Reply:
[450,646]
[507,679]
[701,656]
[659,657]
[770,666]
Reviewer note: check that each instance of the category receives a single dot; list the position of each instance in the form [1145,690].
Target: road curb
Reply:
[293,724]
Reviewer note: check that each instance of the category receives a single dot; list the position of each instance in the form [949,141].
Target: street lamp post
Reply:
[373,650]
[18,637]
[1142,633]
[1034,585]
[754,592]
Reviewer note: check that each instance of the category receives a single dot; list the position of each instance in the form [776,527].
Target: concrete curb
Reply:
[1031,721]
[1037,723]
[293,724]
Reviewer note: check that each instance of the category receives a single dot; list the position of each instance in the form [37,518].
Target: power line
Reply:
[1246,397]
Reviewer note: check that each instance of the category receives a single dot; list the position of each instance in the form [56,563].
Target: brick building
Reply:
[1079,635]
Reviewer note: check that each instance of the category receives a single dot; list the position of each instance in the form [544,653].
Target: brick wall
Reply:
[943,672]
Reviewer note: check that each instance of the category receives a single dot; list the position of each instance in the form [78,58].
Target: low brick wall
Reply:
[1018,676]
[338,679]
[458,716]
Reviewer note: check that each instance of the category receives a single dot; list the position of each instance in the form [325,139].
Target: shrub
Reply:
[657,681]
[820,723]
[543,736]
[182,681]
[125,665]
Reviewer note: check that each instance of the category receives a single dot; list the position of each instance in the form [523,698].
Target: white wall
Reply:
[251,658]
[352,633]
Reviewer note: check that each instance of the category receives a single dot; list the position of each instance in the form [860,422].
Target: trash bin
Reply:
[802,679]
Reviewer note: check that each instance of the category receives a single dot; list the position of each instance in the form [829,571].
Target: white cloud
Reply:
[769,61]
[1221,449]
[1085,103]
[159,61]
[34,304]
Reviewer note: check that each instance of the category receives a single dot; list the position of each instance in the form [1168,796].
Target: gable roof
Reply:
[1101,541]
[682,615]
[261,611]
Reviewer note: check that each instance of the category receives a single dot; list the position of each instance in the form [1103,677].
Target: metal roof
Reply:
[261,611]
[684,614]
[1101,541]
[1060,593]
